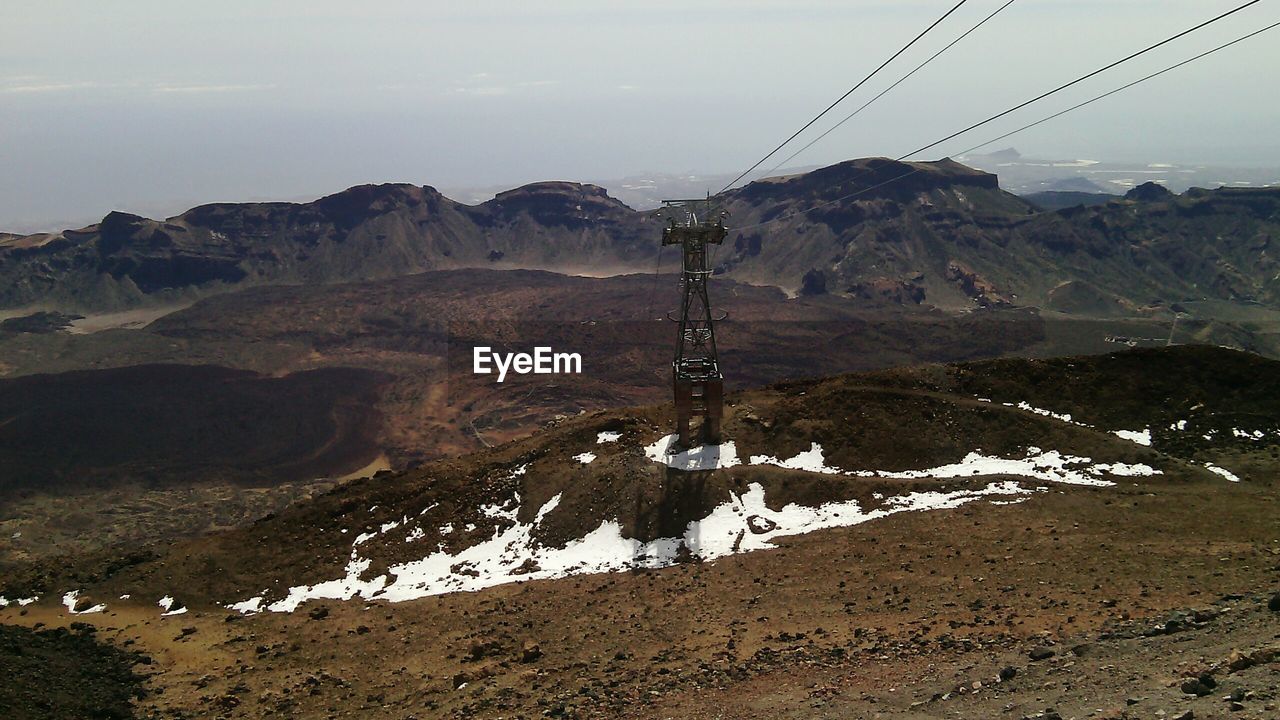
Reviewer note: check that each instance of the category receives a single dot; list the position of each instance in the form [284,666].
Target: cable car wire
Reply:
[1019,130]
[887,90]
[832,106]
[1081,79]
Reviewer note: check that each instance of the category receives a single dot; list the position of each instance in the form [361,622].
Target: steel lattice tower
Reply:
[695,371]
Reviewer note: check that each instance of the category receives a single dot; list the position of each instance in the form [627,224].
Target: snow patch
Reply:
[504,511]
[703,457]
[166,604]
[607,437]
[69,601]
[1141,437]
[743,524]
[1051,466]
[810,460]
[1223,472]
[1249,435]
[585,458]
[1066,418]
[248,607]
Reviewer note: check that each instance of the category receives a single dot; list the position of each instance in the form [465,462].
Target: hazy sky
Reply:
[154,106]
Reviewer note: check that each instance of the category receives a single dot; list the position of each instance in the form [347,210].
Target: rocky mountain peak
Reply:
[1149,192]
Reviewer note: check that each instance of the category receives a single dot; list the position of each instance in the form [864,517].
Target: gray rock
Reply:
[1041,653]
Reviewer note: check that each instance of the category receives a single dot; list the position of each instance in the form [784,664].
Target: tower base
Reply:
[699,397]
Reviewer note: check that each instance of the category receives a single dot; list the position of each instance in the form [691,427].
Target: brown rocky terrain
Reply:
[142,450]
[1124,597]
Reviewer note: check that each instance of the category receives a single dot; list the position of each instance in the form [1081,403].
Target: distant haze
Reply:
[152,107]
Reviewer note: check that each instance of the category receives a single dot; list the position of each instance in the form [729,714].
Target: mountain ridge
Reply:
[936,233]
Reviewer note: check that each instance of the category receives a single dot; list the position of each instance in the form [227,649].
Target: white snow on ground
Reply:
[703,457]
[384,528]
[743,524]
[1046,413]
[1050,466]
[20,602]
[607,437]
[1141,437]
[69,601]
[585,458]
[1223,472]
[810,460]
[166,604]
[505,511]
[1252,434]
[252,605]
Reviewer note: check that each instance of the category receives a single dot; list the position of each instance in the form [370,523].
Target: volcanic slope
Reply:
[937,233]
[861,543]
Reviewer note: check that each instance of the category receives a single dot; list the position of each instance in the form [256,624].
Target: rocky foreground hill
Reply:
[1070,538]
[905,233]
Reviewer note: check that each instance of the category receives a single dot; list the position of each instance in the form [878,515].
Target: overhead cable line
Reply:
[1019,130]
[1079,80]
[832,106]
[887,90]
[1124,87]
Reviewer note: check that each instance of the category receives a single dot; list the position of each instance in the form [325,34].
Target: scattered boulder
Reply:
[1041,653]
[531,652]
[481,649]
[1193,686]
[319,613]
[1008,673]
[1274,604]
[1199,686]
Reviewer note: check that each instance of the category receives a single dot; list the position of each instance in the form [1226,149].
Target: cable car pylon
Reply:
[696,378]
